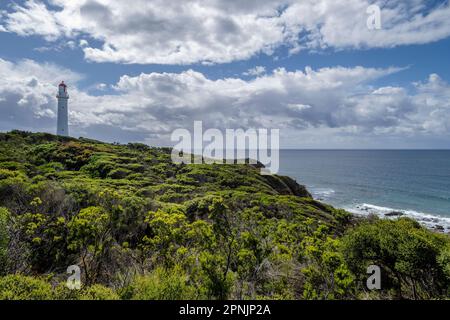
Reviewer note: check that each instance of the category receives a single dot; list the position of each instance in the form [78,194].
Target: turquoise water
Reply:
[415,183]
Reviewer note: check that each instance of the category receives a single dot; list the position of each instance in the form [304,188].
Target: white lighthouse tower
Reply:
[63,113]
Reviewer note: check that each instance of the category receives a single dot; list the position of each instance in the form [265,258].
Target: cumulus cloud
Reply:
[256,71]
[33,18]
[311,107]
[219,31]
[433,99]
[27,91]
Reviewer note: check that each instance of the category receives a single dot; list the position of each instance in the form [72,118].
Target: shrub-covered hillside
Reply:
[141,227]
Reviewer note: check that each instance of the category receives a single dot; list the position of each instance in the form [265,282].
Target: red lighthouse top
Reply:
[62,90]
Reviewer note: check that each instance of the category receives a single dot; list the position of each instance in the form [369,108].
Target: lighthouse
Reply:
[63,113]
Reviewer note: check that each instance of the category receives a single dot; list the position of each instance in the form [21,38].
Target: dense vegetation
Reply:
[141,227]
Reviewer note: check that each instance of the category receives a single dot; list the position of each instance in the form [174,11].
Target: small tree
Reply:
[167,234]
[89,234]
[327,274]
[406,252]
[226,231]
[4,240]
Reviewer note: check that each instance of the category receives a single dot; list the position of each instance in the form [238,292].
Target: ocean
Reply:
[412,183]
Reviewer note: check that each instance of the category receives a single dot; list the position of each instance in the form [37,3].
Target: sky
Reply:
[314,69]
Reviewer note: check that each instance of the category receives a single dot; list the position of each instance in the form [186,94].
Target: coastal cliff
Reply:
[137,224]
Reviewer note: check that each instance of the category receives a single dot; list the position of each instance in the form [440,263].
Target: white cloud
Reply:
[219,31]
[101,86]
[28,94]
[71,45]
[329,107]
[256,71]
[343,24]
[33,18]
[83,43]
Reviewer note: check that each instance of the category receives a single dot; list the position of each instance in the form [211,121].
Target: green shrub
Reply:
[162,284]
[444,261]
[119,173]
[407,254]
[19,287]
[98,292]
[4,239]
[94,292]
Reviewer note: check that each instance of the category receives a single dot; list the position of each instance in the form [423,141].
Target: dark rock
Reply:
[286,186]
[394,214]
[296,189]
[251,162]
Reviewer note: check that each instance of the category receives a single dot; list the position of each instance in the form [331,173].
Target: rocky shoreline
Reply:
[435,223]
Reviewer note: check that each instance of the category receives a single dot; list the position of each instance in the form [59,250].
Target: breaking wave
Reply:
[428,220]
[320,193]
